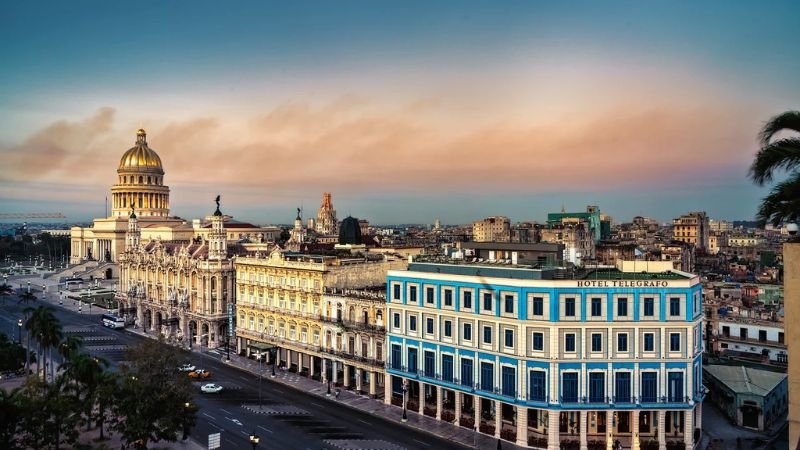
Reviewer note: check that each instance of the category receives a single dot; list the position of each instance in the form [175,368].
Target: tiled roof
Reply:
[746,380]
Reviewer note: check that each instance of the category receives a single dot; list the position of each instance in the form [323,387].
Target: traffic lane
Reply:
[373,427]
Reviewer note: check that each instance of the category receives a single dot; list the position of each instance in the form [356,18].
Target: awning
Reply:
[260,346]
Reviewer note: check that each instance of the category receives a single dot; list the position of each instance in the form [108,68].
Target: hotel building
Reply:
[550,359]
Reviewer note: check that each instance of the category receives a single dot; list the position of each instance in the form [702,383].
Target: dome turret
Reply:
[140,157]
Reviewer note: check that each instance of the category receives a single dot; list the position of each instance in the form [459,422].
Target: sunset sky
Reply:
[405,111]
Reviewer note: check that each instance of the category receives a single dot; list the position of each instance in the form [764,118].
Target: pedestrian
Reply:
[337,393]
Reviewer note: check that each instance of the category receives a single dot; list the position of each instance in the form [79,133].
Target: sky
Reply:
[405,111]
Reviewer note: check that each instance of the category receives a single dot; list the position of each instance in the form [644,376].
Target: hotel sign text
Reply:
[623,284]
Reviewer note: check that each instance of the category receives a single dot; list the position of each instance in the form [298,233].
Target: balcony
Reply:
[348,324]
[749,340]
[355,358]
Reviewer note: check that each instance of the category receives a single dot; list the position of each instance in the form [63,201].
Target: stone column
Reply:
[346,376]
[498,418]
[477,401]
[387,390]
[299,362]
[439,403]
[324,377]
[699,415]
[553,438]
[522,426]
[662,438]
[334,372]
[458,407]
[373,384]
[359,375]
[421,398]
[688,428]
[584,429]
[636,445]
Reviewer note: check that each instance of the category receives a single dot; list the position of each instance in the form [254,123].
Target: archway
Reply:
[192,330]
[204,334]
[148,320]
[159,322]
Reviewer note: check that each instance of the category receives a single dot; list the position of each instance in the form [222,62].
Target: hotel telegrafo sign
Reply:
[623,284]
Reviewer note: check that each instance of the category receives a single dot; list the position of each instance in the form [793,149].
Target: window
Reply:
[674,306]
[597,307]
[675,386]
[396,320]
[447,368]
[538,341]
[487,301]
[429,325]
[467,335]
[538,306]
[597,387]
[509,338]
[487,335]
[569,342]
[396,292]
[509,376]
[743,333]
[430,364]
[649,387]
[726,330]
[597,342]
[622,306]
[622,387]
[467,300]
[674,342]
[466,372]
[780,337]
[412,360]
[569,307]
[487,376]
[508,304]
[396,357]
[649,307]
[649,345]
[429,295]
[448,297]
[412,294]
[536,384]
[569,387]
[412,323]
[448,328]
[622,342]
[762,335]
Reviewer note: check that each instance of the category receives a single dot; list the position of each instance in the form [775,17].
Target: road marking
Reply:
[244,378]
[316,404]
[423,443]
[209,415]
[278,391]
[226,412]
[364,421]
[265,429]
[245,433]
[215,426]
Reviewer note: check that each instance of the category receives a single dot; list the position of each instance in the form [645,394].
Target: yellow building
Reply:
[314,315]
[692,228]
[492,229]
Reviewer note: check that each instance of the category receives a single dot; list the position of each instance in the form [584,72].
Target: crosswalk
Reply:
[363,444]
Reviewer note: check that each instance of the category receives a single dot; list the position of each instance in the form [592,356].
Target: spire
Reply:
[217,212]
[563,210]
[141,136]
[133,212]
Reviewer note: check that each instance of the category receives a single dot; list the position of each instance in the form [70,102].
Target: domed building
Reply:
[140,182]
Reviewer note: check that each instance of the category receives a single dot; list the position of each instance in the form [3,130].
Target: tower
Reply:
[217,239]
[326,217]
[134,235]
[140,182]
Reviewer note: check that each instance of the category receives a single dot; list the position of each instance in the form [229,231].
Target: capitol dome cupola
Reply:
[140,182]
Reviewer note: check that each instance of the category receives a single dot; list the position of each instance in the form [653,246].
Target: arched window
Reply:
[141,179]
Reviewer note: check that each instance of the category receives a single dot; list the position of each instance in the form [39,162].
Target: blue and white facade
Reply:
[609,356]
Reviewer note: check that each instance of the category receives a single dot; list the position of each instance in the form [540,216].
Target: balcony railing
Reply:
[356,358]
[357,325]
[750,340]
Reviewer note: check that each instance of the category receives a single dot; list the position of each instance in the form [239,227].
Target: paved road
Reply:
[290,419]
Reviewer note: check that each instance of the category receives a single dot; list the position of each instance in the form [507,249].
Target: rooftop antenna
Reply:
[105,205]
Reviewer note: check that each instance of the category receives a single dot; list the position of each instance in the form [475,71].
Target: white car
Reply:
[186,368]
[210,388]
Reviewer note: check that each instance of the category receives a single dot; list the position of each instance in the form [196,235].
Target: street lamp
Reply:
[29,287]
[19,334]
[260,375]
[185,421]
[405,389]
[274,354]
[254,440]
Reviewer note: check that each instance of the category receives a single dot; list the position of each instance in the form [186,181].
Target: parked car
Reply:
[199,373]
[186,368]
[210,388]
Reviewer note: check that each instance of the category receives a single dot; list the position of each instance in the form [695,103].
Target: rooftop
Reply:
[746,380]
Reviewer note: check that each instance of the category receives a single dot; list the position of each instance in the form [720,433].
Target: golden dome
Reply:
[140,157]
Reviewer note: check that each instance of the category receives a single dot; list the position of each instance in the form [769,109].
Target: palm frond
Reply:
[789,120]
[782,154]
[782,204]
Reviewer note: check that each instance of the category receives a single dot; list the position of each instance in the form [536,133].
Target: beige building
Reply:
[791,284]
[326,217]
[692,228]
[492,229]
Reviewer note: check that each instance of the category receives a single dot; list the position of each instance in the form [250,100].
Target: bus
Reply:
[112,321]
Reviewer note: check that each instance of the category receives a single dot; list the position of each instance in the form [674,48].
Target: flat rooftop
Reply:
[526,272]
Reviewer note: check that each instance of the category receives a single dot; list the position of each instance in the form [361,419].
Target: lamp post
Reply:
[29,287]
[19,331]
[274,355]
[405,389]
[185,420]
[254,440]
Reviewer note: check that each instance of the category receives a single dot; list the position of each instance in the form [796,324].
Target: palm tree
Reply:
[69,347]
[783,202]
[44,326]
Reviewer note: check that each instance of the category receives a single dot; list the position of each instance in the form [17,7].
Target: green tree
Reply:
[151,397]
[9,417]
[12,355]
[46,329]
[781,154]
[48,414]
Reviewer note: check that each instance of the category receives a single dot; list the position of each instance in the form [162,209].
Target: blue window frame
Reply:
[429,297]
[597,307]
[597,342]
[487,301]
[448,298]
[509,376]
[466,372]
[675,386]
[569,387]
[569,342]
[536,384]
[412,360]
[508,304]
[397,359]
[509,338]
[622,342]
[467,300]
[429,325]
[487,376]
[396,292]
[538,341]
[649,342]
[396,319]
[622,387]
[569,307]
[649,387]
[487,335]
[448,328]
[674,306]
[447,368]
[467,335]
[622,306]
[649,306]
[674,342]
[538,306]
[412,323]
[430,364]
[597,387]
[412,294]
